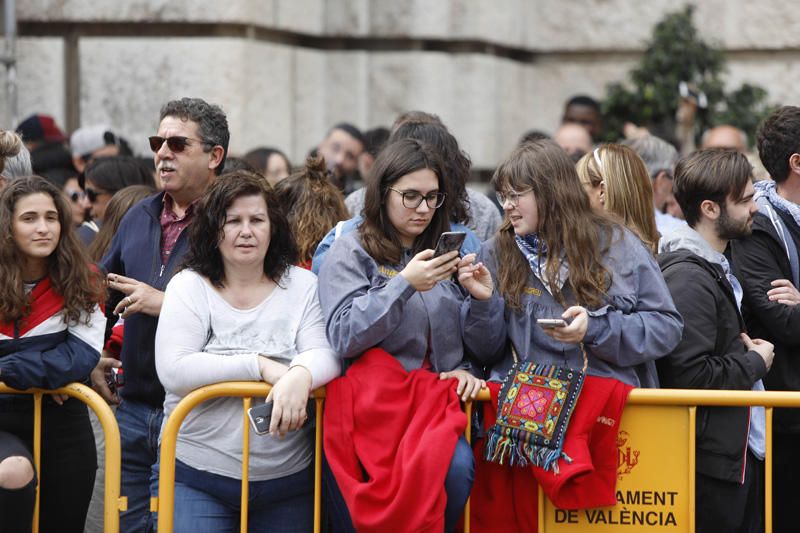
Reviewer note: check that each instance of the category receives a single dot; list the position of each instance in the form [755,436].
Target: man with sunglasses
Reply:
[190,150]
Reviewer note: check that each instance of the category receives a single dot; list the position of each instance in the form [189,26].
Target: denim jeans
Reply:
[139,428]
[457,485]
[211,503]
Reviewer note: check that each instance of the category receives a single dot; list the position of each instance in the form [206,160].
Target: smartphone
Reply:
[449,241]
[260,417]
[551,322]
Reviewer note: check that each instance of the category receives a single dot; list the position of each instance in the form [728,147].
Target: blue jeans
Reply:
[139,427]
[210,503]
[457,485]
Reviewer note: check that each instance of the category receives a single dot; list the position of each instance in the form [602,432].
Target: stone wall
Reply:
[285,70]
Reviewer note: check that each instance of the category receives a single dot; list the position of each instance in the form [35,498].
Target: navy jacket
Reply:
[135,252]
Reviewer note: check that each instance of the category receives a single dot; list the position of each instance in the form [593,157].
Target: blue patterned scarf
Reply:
[535,252]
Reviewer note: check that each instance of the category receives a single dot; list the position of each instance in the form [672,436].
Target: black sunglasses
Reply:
[92,194]
[175,144]
[74,196]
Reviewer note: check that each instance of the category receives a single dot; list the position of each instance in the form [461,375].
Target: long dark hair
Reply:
[567,225]
[68,267]
[378,236]
[205,231]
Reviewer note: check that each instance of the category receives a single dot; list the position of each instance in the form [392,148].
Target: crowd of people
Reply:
[599,267]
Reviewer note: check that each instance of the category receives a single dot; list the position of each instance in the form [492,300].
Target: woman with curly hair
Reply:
[51,334]
[239,310]
[313,206]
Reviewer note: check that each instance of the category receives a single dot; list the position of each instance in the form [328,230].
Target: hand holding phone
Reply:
[260,417]
[449,241]
[550,323]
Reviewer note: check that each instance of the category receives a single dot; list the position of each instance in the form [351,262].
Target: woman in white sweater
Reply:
[239,311]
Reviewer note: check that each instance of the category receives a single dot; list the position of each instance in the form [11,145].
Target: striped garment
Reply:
[41,350]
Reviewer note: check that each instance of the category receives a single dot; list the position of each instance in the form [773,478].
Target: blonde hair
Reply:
[628,188]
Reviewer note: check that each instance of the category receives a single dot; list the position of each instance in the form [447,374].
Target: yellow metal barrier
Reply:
[165,503]
[113,502]
[671,405]
[679,400]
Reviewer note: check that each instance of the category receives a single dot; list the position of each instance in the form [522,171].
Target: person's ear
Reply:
[794,163]
[709,209]
[215,157]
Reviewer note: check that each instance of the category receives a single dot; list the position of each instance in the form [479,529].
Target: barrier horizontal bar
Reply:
[113,502]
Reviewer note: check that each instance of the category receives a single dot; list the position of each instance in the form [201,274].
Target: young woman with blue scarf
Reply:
[555,258]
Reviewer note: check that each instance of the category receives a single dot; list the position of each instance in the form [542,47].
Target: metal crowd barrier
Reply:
[164,504]
[113,502]
[649,405]
[643,404]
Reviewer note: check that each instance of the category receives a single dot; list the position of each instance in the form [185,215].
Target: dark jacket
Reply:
[710,355]
[757,261]
[135,252]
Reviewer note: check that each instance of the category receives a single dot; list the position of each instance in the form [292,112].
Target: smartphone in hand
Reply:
[448,242]
[260,417]
[550,323]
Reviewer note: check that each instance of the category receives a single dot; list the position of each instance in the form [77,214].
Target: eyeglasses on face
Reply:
[176,143]
[512,196]
[413,199]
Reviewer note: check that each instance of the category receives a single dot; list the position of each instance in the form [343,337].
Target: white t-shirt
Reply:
[202,339]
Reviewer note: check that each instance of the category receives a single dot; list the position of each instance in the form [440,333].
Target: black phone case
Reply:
[260,417]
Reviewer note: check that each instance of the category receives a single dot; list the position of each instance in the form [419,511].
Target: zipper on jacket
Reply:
[161,272]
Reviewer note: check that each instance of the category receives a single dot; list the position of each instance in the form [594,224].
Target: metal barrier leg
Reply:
[243,511]
[318,467]
[692,467]
[37,455]
[468,436]
[768,472]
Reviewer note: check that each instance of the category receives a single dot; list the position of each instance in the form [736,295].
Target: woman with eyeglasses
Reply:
[396,314]
[557,258]
[51,334]
[615,178]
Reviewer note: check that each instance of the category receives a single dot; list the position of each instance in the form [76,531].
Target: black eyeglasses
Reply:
[93,194]
[176,144]
[413,199]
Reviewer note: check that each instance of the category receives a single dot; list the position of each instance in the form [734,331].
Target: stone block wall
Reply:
[286,70]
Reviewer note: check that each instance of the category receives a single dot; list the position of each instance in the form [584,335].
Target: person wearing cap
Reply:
[190,149]
[90,142]
[50,157]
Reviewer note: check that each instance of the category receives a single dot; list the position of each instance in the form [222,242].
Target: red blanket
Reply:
[400,429]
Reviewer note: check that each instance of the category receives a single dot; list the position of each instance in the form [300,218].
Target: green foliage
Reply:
[677,53]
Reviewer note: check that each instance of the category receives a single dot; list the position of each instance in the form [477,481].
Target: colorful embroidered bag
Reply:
[534,407]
